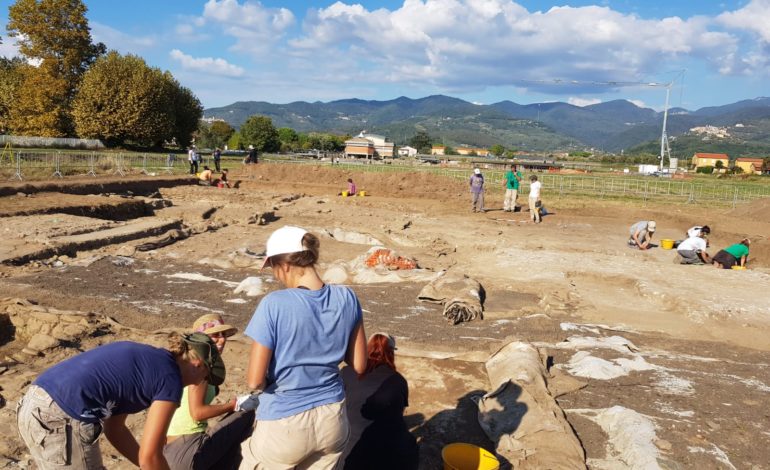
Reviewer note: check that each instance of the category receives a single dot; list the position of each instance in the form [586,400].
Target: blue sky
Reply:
[482,51]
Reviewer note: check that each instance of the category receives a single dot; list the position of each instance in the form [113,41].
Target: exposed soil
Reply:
[701,332]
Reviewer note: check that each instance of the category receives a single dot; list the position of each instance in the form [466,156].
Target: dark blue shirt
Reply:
[114,379]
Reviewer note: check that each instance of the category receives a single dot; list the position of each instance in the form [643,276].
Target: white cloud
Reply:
[583,101]
[9,48]
[254,26]
[468,46]
[208,65]
[479,43]
[120,41]
[754,17]
[639,103]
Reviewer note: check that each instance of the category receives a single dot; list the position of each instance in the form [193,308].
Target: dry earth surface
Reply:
[670,364]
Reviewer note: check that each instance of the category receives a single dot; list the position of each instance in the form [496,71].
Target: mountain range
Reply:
[610,126]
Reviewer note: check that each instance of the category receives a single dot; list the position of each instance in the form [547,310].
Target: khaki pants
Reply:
[313,439]
[55,440]
[509,203]
[534,210]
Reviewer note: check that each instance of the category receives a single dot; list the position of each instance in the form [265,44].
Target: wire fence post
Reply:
[18,167]
[735,197]
[144,164]
[92,164]
[119,165]
[57,165]
[170,163]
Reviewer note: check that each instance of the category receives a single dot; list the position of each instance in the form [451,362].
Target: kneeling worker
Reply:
[640,234]
[693,251]
[206,177]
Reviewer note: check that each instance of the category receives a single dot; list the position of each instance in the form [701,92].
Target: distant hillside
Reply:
[611,126]
[749,140]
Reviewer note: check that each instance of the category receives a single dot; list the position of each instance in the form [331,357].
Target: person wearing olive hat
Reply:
[193,442]
[67,407]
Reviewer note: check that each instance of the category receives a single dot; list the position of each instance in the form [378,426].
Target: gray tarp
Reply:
[522,418]
[460,296]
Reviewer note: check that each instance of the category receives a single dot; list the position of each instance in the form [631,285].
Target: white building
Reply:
[369,145]
[407,151]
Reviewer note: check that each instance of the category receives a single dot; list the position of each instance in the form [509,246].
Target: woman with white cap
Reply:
[301,334]
[376,399]
[191,442]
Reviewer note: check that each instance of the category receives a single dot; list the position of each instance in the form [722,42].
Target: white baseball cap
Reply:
[651,226]
[477,171]
[286,239]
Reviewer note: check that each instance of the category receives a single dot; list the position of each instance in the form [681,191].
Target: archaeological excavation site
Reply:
[552,346]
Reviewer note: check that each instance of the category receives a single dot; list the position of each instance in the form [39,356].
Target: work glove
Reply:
[247,402]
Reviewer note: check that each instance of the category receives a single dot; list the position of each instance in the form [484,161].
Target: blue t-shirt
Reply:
[114,379]
[308,332]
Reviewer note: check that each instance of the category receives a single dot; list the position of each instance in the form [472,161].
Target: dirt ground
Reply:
[685,347]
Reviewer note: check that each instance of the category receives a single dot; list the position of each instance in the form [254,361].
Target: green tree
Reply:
[235,143]
[11,76]
[497,150]
[719,165]
[55,34]
[186,111]
[288,135]
[421,141]
[213,135]
[260,132]
[121,99]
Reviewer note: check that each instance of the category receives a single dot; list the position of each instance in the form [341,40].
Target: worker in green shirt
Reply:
[733,255]
[512,179]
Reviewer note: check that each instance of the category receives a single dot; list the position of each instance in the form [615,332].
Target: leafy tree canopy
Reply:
[214,135]
[260,132]
[421,141]
[55,34]
[497,150]
[123,100]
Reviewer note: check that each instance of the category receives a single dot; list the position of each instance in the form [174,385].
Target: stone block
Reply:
[42,342]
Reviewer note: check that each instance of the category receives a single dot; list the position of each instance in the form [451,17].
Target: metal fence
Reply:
[605,186]
[43,165]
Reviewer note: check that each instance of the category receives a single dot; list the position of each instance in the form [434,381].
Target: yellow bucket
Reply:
[362,193]
[667,244]
[462,456]
[344,194]
[738,267]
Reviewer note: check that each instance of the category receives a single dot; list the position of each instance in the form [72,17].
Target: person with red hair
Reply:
[376,399]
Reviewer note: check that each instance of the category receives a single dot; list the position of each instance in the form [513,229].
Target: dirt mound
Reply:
[758,211]
[388,183]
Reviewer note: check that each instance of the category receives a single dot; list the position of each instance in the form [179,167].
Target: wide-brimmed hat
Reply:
[285,240]
[651,226]
[477,171]
[207,351]
[212,324]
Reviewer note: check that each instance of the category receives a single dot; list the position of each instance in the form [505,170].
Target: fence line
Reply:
[41,165]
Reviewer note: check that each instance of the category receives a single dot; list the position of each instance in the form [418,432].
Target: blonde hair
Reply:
[180,349]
